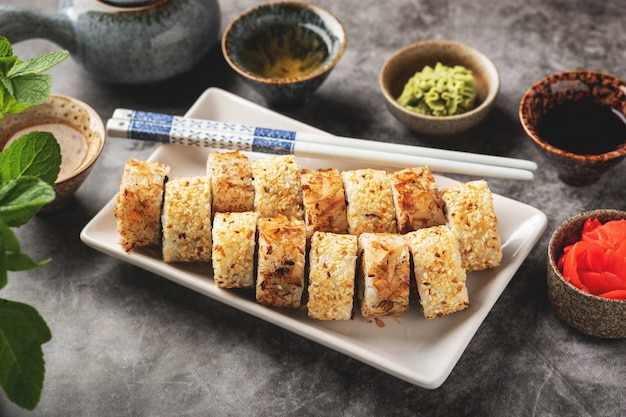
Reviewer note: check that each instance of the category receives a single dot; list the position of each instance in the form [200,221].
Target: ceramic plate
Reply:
[422,352]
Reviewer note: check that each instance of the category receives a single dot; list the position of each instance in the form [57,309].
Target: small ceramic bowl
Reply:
[404,63]
[284,50]
[603,89]
[79,130]
[590,314]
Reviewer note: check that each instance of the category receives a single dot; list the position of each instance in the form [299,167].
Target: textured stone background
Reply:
[128,343]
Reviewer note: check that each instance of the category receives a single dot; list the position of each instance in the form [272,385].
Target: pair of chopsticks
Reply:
[164,128]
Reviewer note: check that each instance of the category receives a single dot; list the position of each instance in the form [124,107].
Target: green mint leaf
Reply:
[22,262]
[35,154]
[22,83]
[6,63]
[31,89]
[12,259]
[38,64]
[5,47]
[2,104]
[22,198]
[13,107]
[22,332]
[6,93]
[4,275]
[6,83]
[8,238]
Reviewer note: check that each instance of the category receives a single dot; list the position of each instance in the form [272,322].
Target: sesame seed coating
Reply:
[370,201]
[439,276]
[231,181]
[471,217]
[332,261]
[234,243]
[186,220]
[281,260]
[277,187]
[138,203]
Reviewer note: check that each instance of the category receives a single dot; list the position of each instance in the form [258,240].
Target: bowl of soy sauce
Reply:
[578,120]
[284,50]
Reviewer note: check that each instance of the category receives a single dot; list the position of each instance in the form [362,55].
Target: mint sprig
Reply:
[29,168]
[22,332]
[21,83]
[35,154]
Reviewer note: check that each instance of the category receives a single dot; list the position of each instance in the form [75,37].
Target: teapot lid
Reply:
[130,3]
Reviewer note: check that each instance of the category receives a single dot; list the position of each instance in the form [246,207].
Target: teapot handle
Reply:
[19,24]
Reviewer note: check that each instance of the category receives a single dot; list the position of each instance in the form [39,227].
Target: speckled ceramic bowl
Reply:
[610,91]
[79,155]
[590,314]
[311,39]
[403,64]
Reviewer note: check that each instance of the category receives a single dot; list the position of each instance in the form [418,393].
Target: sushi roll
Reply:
[234,243]
[416,198]
[439,276]
[370,201]
[281,260]
[231,182]
[138,203]
[324,201]
[384,276]
[332,264]
[471,217]
[186,220]
[277,187]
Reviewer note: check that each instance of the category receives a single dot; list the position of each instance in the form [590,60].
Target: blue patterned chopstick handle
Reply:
[193,135]
[178,122]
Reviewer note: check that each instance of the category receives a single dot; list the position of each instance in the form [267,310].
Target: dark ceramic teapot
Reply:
[123,41]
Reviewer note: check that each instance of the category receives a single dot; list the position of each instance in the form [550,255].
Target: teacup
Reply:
[578,120]
[284,50]
[77,127]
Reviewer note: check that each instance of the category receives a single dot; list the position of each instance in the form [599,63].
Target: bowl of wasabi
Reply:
[439,87]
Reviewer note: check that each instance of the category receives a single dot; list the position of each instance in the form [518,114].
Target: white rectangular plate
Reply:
[420,351]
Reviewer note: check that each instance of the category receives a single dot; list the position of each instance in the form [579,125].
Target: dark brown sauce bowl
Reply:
[603,89]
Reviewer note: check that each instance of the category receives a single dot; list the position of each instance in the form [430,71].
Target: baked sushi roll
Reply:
[277,187]
[370,201]
[324,201]
[439,275]
[332,267]
[416,199]
[186,220]
[234,243]
[138,203]
[281,260]
[231,182]
[470,215]
[384,276]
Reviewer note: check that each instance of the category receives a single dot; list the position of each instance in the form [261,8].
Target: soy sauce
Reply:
[583,127]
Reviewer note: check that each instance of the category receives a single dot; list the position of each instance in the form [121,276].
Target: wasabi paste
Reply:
[440,91]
